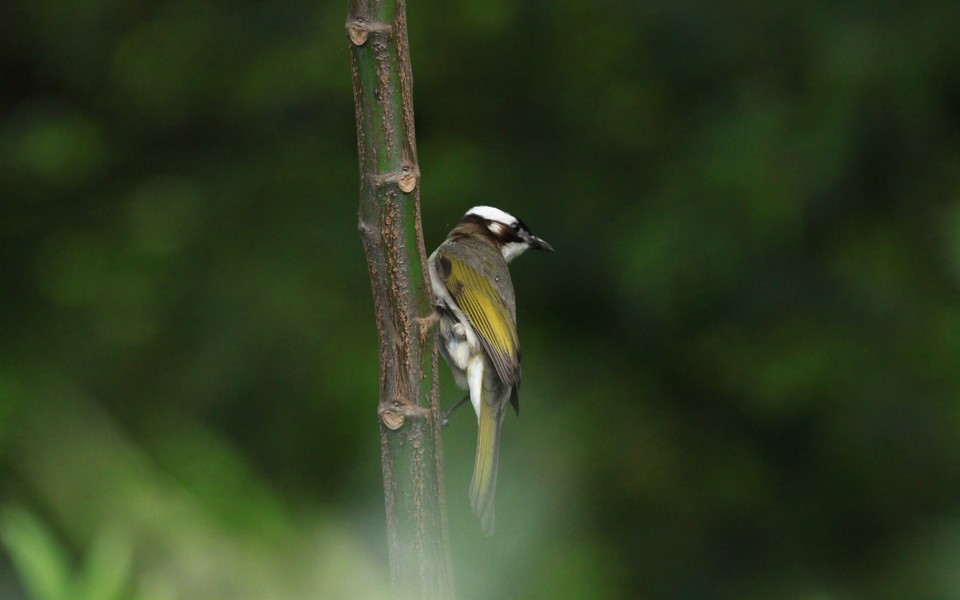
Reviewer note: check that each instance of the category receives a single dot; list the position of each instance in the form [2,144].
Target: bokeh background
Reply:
[742,364]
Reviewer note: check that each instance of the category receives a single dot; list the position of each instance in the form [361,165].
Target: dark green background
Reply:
[741,365]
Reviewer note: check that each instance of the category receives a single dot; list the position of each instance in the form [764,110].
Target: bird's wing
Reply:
[489,316]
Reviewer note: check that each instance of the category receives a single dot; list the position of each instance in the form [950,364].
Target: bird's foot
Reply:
[445,417]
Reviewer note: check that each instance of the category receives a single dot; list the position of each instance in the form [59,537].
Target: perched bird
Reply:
[478,329]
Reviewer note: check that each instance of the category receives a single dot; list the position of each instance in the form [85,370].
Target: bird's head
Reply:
[508,232]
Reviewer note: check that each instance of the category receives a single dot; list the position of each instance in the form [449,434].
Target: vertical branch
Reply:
[392,236]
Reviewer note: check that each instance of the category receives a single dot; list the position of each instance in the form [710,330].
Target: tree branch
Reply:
[411,448]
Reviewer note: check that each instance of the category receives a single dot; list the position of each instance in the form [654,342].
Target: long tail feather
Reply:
[483,486]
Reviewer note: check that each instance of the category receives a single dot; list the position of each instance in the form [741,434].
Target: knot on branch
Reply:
[406,179]
[358,30]
[394,415]
[393,419]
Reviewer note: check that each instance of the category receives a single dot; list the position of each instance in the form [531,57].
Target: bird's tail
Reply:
[483,486]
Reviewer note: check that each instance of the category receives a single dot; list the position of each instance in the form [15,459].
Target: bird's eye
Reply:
[515,226]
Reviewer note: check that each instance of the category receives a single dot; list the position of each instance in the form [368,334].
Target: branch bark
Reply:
[409,414]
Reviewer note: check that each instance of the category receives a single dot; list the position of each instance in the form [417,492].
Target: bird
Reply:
[478,330]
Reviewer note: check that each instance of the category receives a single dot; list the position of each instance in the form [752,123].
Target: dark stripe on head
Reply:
[473,225]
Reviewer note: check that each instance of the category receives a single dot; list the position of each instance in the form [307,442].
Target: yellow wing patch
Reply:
[488,315]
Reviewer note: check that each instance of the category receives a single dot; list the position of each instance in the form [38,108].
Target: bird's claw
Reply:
[445,417]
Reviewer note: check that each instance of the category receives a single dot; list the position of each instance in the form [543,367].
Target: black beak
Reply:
[539,244]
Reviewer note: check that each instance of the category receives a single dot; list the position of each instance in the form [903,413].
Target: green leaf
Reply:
[106,573]
[41,562]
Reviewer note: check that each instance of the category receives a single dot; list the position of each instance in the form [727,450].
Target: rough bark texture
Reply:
[392,238]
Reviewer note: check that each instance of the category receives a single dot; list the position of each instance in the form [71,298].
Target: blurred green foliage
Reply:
[742,364]
[46,571]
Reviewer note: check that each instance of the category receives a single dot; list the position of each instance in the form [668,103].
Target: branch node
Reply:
[405,179]
[359,30]
[408,179]
[393,419]
[357,33]
[396,414]
[364,229]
